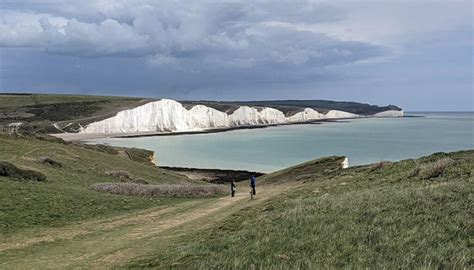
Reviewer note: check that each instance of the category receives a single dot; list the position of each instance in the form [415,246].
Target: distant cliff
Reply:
[44,113]
[171,116]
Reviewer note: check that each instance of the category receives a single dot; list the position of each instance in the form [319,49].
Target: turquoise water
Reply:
[363,141]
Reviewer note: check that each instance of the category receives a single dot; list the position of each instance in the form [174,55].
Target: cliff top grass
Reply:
[26,99]
[408,214]
[69,111]
[65,195]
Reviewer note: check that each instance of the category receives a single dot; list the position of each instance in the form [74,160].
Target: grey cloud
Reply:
[183,35]
[402,52]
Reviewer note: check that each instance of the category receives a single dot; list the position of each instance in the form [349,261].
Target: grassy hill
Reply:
[65,196]
[68,205]
[408,214]
[41,111]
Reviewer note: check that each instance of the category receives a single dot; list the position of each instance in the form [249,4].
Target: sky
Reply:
[417,54]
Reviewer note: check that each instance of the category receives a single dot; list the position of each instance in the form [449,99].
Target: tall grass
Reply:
[357,218]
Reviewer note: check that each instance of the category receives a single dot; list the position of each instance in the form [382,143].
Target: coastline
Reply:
[91,136]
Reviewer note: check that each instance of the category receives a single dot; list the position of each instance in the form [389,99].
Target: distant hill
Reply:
[290,107]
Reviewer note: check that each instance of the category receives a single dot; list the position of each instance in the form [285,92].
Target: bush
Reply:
[379,165]
[133,189]
[432,169]
[140,181]
[9,170]
[49,161]
[122,175]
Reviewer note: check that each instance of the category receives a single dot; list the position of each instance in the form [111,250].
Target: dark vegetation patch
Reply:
[50,162]
[125,176]
[122,175]
[379,165]
[63,111]
[13,172]
[15,94]
[431,169]
[133,189]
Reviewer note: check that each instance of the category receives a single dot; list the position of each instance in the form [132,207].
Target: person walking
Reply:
[253,184]
[232,188]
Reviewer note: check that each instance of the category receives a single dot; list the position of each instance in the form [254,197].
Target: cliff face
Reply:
[306,115]
[170,116]
[389,113]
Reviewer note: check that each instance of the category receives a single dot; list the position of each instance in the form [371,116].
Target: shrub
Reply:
[434,169]
[140,181]
[125,176]
[133,189]
[9,170]
[49,161]
[379,165]
[122,175]
[415,172]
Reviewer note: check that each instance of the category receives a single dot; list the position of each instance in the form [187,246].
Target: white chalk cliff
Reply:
[390,113]
[171,116]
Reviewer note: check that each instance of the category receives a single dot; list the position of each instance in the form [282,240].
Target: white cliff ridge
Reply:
[171,116]
[390,113]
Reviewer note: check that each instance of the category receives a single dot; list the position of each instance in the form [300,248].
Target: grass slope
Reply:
[68,111]
[65,196]
[379,216]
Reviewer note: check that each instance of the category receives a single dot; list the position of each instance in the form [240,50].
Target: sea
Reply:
[363,141]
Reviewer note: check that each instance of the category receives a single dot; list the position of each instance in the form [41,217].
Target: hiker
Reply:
[232,188]
[253,184]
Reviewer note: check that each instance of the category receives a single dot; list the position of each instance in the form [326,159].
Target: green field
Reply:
[408,214]
[65,196]
[21,100]
[365,217]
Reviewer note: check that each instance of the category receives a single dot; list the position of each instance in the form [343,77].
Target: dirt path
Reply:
[115,241]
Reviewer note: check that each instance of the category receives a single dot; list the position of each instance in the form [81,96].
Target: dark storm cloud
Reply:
[168,32]
[228,49]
